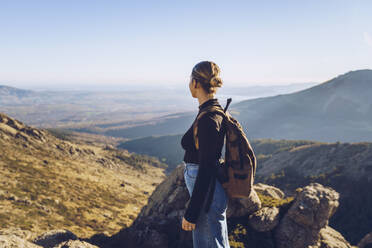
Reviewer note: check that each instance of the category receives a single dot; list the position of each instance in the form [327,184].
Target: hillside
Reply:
[339,109]
[85,187]
[345,167]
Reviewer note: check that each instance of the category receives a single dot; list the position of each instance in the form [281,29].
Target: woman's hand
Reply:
[187,226]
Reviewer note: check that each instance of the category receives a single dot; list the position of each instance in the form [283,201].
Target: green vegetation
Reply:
[43,186]
[60,133]
[139,160]
[167,148]
[268,201]
[242,235]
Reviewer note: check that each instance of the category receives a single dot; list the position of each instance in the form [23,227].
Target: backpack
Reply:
[237,171]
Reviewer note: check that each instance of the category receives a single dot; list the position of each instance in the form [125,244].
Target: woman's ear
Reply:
[194,83]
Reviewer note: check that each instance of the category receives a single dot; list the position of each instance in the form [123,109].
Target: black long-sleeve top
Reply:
[211,133]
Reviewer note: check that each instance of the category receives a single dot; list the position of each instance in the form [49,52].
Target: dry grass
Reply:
[86,189]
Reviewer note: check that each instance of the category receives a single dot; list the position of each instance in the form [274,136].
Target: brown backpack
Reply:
[236,172]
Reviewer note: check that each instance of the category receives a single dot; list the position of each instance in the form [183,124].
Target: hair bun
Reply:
[215,81]
[207,73]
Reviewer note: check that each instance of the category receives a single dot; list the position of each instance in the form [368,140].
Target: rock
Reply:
[366,241]
[13,241]
[23,234]
[330,238]
[309,213]
[268,190]
[15,128]
[109,147]
[264,219]
[53,238]
[169,197]
[241,207]
[75,244]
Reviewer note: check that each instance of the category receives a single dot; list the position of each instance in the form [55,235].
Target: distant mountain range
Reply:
[6,91]
[337,110]
[104,108]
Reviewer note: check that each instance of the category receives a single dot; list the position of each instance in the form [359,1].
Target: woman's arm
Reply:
[208,133]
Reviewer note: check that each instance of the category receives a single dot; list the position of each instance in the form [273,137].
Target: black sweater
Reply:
[211,138]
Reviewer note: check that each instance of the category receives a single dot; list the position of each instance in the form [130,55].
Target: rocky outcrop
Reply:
[15,128]
[242,207]
[17,238]
[300,227]
[330,238]
[52,238]
[268,190]
[75,244]
[13,241]
[366,241]
[264,219]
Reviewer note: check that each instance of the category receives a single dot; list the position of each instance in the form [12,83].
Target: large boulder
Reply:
[54,237]
[310,212]
[264,219]
[330,238]
[75,244]
[13,241]
[241,207]
[366,241]
[268,190]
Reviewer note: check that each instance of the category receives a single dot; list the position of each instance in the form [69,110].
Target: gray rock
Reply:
[330,238]
[268,190]
[75,244]
[241,207]
[13,241]
[264,219]
[366,241]
[54,237]
[312,208]
[23,234]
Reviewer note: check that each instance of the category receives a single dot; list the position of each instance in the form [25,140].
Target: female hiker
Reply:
[205,214]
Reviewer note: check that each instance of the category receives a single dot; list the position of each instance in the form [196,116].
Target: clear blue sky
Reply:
[119,42]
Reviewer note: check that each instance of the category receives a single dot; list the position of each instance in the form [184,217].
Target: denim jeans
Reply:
[211,227]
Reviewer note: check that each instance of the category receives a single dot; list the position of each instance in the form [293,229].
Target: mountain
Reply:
[47,179]
[7,91]
[343,166]
[337,110]
[10,96]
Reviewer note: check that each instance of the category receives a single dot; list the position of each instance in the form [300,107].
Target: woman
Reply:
[205,215]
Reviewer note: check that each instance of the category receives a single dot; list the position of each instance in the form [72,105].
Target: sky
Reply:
[85,42]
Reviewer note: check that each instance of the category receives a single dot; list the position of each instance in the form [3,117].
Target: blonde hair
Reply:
[207,73]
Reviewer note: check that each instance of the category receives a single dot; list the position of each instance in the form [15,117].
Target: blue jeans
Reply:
[211,227]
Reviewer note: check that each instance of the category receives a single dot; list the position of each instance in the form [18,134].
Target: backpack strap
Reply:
[227,104]
[209,109]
